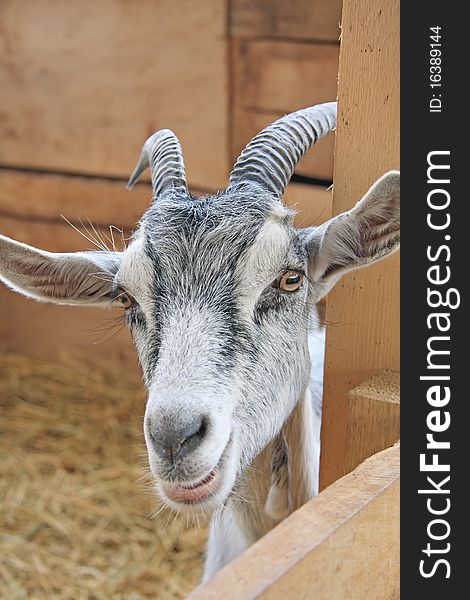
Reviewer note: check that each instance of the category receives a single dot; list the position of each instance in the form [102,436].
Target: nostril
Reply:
[195,437]
[171,442]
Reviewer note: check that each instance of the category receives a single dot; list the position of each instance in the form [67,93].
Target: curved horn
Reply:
[272,155]
[162,152]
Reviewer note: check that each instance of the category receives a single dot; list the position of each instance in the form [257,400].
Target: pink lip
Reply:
[190,493]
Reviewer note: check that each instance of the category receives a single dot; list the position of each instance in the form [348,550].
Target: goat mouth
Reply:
[194,491]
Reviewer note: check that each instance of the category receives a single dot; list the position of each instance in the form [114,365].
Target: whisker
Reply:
[89,239]
[100,243]
[112,237]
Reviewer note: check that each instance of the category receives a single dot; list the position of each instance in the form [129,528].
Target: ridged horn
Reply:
[272,155]
[162,153]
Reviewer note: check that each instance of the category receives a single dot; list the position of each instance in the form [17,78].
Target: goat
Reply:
[220,295]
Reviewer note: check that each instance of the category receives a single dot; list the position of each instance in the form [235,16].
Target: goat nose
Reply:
[173,441]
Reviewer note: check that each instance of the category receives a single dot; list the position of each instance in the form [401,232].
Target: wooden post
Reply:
[373,417]
[363,309]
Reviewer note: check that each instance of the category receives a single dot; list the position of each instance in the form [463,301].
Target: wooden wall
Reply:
[84,84]
[284,57]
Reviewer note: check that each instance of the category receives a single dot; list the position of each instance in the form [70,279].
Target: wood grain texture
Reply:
[318,163]
[54,236]
[85,83]
[296,19]
[363,309]
[312,203]
[280,77]
[373,417]
[45,197]
[342,545]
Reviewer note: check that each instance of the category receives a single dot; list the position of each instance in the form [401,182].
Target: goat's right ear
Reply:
[78,278]
[368,232]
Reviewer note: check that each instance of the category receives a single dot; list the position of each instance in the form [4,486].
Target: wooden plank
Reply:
[373,417]
[45,197]
[342,544]
[84,84]
[48,235]
[296,19]
[317,164]
[280,77]
[363,309]
[55,236]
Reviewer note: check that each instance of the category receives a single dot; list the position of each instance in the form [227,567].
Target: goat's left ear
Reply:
[80,278]
[368,232]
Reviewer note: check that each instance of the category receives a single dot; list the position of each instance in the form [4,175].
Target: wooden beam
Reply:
[29,196]
[297,19]
[84,84]
[46,196]
[363,309]
[343,543]
[373,417]
[280,77]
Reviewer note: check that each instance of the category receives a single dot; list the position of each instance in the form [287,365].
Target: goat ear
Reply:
[63,278]
[368,232]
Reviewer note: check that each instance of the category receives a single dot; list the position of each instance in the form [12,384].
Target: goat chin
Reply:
[206,494]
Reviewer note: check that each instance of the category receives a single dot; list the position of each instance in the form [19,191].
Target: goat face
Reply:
[222,342]
[218,292]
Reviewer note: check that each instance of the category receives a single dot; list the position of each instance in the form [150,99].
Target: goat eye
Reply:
[123,300]
[289,281]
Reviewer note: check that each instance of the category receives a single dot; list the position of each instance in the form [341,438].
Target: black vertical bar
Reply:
[435,238]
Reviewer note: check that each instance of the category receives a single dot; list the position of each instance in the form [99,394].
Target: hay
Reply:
[74,521]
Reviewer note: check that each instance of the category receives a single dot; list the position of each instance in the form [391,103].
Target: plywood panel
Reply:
[280,77]
[317,164]
[296,19]
[342,545]
[85,83]
[363,309]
